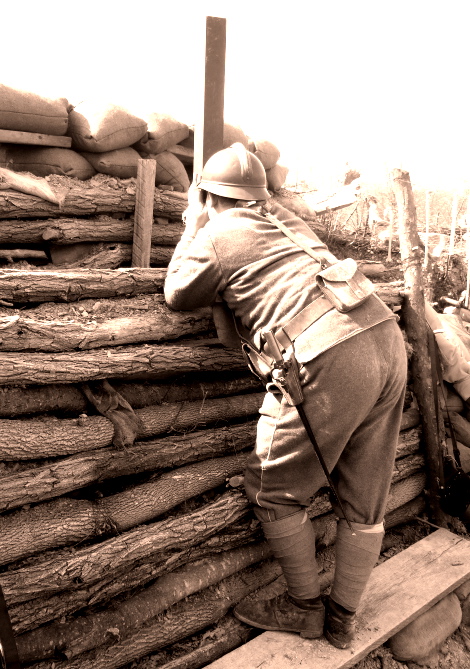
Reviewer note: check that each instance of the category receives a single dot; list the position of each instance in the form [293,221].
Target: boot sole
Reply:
[336,643]
[305,634]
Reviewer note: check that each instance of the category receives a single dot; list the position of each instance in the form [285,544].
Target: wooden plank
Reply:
[20,137]
[209,131]
[143,217]
[399,590]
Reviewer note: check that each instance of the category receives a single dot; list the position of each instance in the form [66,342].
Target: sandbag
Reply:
[189,141]
[276,177]
[428,632]
[31,185]
[99,128]
[43,161]
[183,153]
[170,171]
[163,132]
[29,112]
[232,134]
[120,163]
[267,152]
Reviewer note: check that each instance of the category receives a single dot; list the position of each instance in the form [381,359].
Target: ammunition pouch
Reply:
[344,285]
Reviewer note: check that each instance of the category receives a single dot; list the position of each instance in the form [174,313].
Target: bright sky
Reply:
[375,83]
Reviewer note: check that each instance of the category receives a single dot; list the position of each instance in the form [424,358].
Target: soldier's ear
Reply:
[212,200]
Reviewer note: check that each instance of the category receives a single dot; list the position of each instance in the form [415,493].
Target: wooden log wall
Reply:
[115,552]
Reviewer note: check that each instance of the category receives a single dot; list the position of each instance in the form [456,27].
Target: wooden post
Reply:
[416,329]
[453,224]
[426,245]
[209,131]
[143,216]
[390,234]
[467,254]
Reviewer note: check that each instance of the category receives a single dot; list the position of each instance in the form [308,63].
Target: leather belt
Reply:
[311,313]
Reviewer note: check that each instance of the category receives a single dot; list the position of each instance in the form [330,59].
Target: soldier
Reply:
[276,276]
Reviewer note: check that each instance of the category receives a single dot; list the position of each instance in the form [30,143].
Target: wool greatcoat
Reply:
[352,365]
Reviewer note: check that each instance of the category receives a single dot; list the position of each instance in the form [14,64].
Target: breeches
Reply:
[353,397]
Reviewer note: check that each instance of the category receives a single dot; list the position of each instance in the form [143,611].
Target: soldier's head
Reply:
[233,177]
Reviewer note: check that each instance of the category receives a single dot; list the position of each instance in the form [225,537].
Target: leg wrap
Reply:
[292,542]
[356,556]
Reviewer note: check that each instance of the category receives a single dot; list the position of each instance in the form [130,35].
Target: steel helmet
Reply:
[235,172]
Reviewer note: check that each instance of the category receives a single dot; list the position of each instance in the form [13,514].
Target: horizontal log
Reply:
[34,439]
[161,631]
[201,649]
[66,522]
[14,254]
[69,399]
[87,632]
[41,483]
[110,255]
[46,285]
[409,440]
[391,293]
[51,437]
[21,333]
[405,490]
[68,329]
[70,285]
[405,513]
[100,195]
[45,482]
[76,230]
[407,466]
[195,613]
[33,613]
[36,612]
[119,554]
[132,362]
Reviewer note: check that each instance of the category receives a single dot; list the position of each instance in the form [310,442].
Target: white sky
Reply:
[378,84]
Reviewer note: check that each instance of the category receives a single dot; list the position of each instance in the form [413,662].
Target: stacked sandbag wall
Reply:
[96,175]
[110,139]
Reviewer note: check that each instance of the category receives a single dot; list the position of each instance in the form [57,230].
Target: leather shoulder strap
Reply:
[326,257]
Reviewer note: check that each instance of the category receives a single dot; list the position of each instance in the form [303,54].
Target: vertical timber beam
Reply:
[143,215]
[416,330]
[209,131]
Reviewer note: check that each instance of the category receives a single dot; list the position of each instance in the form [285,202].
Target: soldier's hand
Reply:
[196,215]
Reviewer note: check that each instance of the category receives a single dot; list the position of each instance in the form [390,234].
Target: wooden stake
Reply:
[209,132]
[467,246]
[416,329]
[455,201]
[390,236]
[426,244]
[143,217]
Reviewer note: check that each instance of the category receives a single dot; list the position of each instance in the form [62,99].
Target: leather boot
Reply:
[284,614]
[339,625]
